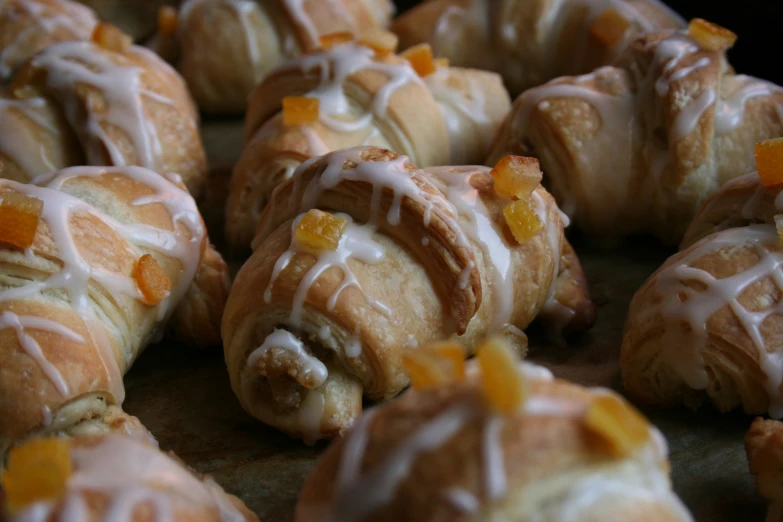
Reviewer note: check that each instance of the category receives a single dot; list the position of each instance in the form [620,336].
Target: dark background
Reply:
[759,24]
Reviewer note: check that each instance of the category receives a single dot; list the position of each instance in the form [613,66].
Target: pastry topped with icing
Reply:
[655,135]
[704,327]
[29,26]
[109,477]
[357,91]
[226,47]
[361,257]
[99,102]
[506,442]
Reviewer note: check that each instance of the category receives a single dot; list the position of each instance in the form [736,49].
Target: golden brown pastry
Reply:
[112,478]
[764,447]
[706,326]
[360,257]
[550,451]
[227,46]
[637,148]
[361,96]
[29,26]
[101,102]
[93,263]
[530,42]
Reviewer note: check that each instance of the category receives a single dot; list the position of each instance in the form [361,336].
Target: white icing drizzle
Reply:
[131,473]
[76,273]
[691,114]
[336,66]
[730,112]
[685,310]
[356,242]
[76,19]
[492,456]
[15,139]
[313,369]
[69,64]
[310,413]
[463,500]
[33,349]
[46,412]
[302,19]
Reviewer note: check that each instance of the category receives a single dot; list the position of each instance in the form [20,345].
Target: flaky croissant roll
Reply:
[530,42]
[94,262]
[705,326]
[362,97]
[764,448]
[326,307]
[29,26]
[100,102]
[110,477]
[561,453]
[227,46]
[639,147]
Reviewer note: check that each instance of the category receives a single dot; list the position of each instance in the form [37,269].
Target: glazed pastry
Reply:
[110,477]
[354,94]
[137,18]
[94,263]
[227,46]
[29,26]
[530,42]
[764,447]
[102,102]
[654,136]
[325,308]
[548,451]
[705,326]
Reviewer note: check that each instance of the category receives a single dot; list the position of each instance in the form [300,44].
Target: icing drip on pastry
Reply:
[15,139]
[76,19]
[730,111]
[131,473]
[33,349]
[356,243]
[302,19]
[686,310]
[76,273]
[312,368]
[70,64]
[336,66]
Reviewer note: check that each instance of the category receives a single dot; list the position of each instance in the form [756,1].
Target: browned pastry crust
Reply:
[655,135]
[764,447]
[443,454]
[455,279]
[528,42]
[227,46]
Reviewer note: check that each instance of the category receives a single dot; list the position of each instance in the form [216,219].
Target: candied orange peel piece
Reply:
[709,36]
[332,40]
[37,470]
[319,230]
[299,110]
[111,38]
[516,176]
[379,40]
[610,27]
[522,220]
[769,161]
[435,364]
[618,423]
[168,21]
[19,217]
[502,384]
[420,58]
[152,280]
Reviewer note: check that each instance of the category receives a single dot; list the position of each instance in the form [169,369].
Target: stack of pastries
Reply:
[393,213]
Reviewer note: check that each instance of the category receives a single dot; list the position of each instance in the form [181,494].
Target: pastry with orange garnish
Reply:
[480,449]
[109,477]
[99,102]
[360,258]
[97,263]
[227,46]
[530,42]
[637,147]
[705,328]
[359,92]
